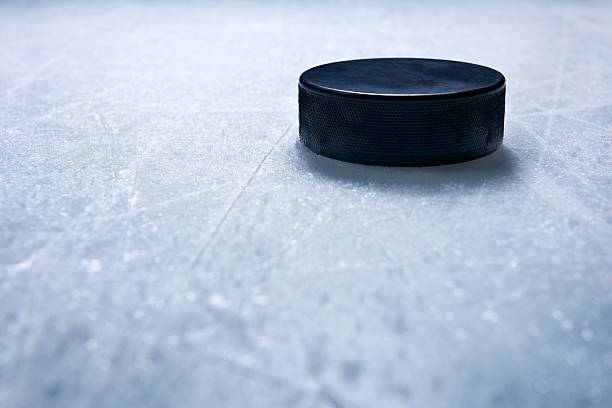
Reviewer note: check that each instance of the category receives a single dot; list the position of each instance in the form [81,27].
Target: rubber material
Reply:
[402,112]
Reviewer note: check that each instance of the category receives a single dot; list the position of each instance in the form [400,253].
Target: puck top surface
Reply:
[402,79]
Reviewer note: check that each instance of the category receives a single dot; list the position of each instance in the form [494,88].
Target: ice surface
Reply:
[165,241]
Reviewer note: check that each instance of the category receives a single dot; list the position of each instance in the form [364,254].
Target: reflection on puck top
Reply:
[402,111]
[411,78]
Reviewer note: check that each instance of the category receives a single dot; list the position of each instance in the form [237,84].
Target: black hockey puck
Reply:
[402,111]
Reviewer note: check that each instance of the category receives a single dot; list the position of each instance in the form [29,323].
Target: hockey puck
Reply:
[402,111]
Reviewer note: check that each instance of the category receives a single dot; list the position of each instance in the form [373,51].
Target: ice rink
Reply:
[167,242]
